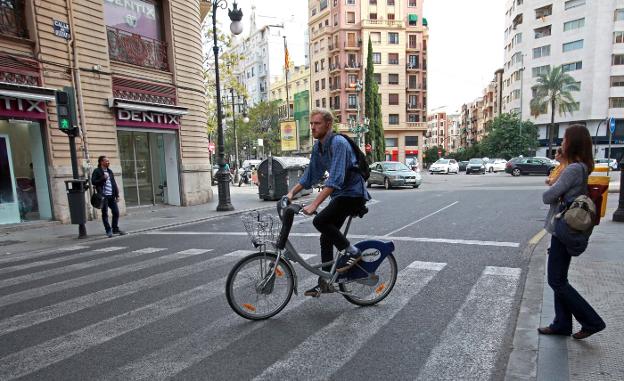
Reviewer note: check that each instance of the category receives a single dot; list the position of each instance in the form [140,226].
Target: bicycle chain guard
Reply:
[373,253]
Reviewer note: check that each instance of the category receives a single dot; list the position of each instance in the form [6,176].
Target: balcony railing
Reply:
[383,23]
[136,49]
[12,20]
[412,66]
[353,65]
[412,46]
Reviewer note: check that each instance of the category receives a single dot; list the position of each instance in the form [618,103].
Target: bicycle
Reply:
[260,285]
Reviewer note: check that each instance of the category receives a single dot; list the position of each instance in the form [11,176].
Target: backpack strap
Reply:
[348,165]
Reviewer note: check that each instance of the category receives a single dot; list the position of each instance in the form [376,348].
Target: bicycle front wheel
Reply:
[255,291]
[367,293]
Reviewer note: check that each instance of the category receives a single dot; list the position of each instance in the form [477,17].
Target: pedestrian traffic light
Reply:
[66,112]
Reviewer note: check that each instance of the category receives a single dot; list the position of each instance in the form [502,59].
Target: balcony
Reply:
[352,45]
[334,67]
[353,66]
[333,48]
[417,125]
[382,23]
[413,106]
[412,66]
[12,20]
[351,106]
[136,49]
[411,47]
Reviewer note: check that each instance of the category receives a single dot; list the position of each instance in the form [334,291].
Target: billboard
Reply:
[288,129]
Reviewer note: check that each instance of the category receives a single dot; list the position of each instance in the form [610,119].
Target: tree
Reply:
[264,124]
[431,154]
[369,102]
[554,89]
[509,137]
[379,143]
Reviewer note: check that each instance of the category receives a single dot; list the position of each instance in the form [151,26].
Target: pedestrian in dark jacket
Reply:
[103,181]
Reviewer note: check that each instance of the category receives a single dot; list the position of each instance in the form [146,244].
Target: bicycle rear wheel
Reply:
[365,293]
[254,291]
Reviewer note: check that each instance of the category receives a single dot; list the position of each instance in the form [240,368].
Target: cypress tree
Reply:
[369,99]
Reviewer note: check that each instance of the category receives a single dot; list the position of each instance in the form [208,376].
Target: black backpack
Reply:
[362,165]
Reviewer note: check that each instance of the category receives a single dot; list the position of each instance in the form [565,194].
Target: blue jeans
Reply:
[568,302]
[110,202]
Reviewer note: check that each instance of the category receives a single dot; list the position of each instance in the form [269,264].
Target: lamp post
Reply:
[236,15]
[241,102]
[358,126]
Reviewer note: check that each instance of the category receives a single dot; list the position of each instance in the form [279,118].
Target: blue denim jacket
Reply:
[336,165]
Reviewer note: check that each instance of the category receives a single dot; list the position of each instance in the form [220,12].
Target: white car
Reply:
[612,163]
[444,166]
[495,165]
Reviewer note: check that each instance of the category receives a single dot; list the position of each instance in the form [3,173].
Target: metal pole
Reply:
[225,203]
[82,228]
[235,136]
[618,215]
[609,152]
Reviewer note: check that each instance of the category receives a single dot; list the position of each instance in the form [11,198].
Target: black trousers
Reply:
[330,220]
[110,202]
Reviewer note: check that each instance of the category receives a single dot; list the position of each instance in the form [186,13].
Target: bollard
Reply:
[618,215]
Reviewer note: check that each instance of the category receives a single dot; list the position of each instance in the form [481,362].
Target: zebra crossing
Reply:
[468,348]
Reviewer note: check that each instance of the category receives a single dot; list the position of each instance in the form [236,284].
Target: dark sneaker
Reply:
[120,232]
[314,292]
[351,261]
[109,234]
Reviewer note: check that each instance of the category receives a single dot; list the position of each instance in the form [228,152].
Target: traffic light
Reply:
[66,111]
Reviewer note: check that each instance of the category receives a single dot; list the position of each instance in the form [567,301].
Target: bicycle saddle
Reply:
[360,212]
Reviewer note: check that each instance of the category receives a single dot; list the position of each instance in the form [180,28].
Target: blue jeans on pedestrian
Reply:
[568,302]
[110,202]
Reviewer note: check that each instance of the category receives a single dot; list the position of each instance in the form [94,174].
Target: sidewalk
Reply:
[598,275]
[48,235]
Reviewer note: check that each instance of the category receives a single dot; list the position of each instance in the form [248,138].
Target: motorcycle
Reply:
[244,177]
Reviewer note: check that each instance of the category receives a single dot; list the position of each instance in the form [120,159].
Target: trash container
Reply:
[277,175]
[76,198]
[598,181]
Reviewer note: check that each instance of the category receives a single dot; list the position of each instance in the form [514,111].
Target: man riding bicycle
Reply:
[346,186]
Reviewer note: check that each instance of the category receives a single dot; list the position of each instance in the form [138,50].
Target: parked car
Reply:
[495,165]
[444,166]
[475,166]
[463,165]
[529,165]
[612,163]
[393,174]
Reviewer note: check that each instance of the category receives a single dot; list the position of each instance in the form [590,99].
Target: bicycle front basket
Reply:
[262,229]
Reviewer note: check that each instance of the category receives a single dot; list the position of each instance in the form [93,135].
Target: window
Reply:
[318,103]
[617,81]
[542,51]
[412,41]
[377,58]
[352,101]
[390,16]
[574,45]
[574,24]
[574,66]
[412,61]
[351,78]
[616,102]
[618,59]
[316,67]
[375,37]
[412,19]
[324,102]
[411,140]
[412,82]
[413,118]
[323,64]
[393,99]
[619,14]
[390,2]
[393,38]
[411,3]
[351,2]
[323,5]
[316,86]
[536,71]
[516,39]
[542,32]
[393,79]
[350,17]
[392,142]
[372,2]
[515,94]
[393,119]
[618,37]
[543,12]
[323,84]
[412,101]
[372,16]
[574,3]
[377,78]
[393,58]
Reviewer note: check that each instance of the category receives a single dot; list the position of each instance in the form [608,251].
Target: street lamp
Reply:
[236,15]
[241,102]
[358,126]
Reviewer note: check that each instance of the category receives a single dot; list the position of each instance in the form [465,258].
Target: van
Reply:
[251,163]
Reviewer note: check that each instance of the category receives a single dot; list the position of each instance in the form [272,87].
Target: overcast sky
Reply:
[465,42]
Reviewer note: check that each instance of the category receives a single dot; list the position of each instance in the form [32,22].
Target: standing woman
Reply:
[572,182]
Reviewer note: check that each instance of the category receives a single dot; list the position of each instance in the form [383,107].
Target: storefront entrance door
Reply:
[9,208]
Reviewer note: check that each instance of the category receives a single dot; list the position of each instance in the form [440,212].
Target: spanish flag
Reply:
[286,57]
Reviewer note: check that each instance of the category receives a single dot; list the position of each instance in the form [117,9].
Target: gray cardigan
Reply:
[569,185]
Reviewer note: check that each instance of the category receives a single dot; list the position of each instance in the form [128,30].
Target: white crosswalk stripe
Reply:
[51,261]
[91,278]
[470,344]
[74,267]
[26,256]
[318,361]
[108,249]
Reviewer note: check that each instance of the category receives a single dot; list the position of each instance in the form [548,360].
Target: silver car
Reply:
[393,174]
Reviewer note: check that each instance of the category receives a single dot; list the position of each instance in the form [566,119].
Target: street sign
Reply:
[612,125]
[440,153]
[211,147]
[61,29]
[368,148]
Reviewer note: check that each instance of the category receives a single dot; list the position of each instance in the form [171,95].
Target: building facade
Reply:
[585,37]
[136,69]
[339,32]
[438,131]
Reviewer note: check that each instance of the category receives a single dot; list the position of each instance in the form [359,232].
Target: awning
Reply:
[28,92]
[412,17]
[144,106]
[425,21]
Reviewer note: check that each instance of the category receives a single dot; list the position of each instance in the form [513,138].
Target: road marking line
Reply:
[149,250]
[361,236]
[189,350]
[317,360]
[26,256]
[67,307]
[194,251]
[44,262]
[417,221]
[97,261]
[86,279]
[427,265]
[470,344]
[240,253]
[536,238]
[109,249]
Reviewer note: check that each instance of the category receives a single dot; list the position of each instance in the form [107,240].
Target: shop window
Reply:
[135,33]
[411,141]
[13,19]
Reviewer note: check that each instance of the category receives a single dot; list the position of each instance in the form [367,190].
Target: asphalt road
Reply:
[152,305]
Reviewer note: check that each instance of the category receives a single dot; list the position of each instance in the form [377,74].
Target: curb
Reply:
[522,364]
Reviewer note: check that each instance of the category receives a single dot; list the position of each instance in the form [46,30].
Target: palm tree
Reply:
[554,88]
